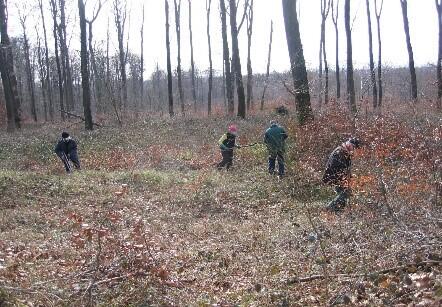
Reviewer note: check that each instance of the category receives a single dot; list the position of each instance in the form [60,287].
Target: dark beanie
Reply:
[355,142]
[65,135]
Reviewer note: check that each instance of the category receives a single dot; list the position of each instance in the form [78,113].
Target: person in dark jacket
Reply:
[274,138]
[338,173]
[66,150]
[226,144]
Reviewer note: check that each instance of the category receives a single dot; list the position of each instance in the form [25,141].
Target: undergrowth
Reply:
[149,221]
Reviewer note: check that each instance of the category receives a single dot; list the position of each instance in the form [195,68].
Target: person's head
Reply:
[233,129]
[65,135]
[352,143]
[273,122]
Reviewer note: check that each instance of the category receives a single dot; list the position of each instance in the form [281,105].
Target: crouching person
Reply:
[338,173]
[66,150]
[227,144]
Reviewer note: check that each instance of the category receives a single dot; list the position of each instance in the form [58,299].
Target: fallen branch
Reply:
[80,117]
[380,272]
[31,291]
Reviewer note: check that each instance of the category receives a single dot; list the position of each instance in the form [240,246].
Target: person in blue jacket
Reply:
[274,138]
[338,173]
[66,150]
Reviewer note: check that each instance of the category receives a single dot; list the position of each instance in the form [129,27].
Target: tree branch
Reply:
[383,271]
[80,117]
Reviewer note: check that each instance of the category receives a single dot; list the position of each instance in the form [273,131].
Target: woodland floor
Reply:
[149,221]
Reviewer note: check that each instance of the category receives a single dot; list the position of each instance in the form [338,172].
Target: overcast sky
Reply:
[422,17]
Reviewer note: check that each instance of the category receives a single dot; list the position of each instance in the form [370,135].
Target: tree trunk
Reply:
[178,38]
[237,61]
[120,19]
[404,5]
[169,65]
[321,45]
[335,17]
[29,70]
[94,71]
[64,52]
[249,61]
[370,52]
[268,66]
[297,62]
[226,59]
[378,22]
[325,9]
[41,73]
[326,70]
[142,62]
[350,79]
[192,62]
[9,79]
[439,55]
[209,95]
[84,69]
[57,59]
[48,69]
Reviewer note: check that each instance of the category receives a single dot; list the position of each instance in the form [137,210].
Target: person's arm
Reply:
[221,142]
[266,137]
[284,134]
[74,145]
[58,148]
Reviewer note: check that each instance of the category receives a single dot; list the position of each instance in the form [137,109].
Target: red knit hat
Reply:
[233,129]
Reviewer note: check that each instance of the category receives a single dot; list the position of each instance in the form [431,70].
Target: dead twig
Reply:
[380,272]
[80,117]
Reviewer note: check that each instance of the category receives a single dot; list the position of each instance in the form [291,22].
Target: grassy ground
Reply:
[149,221]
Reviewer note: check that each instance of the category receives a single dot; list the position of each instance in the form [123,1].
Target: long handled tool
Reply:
[66,162]
[250,145]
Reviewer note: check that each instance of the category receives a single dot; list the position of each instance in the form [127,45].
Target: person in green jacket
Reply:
[226,144]
[274,138]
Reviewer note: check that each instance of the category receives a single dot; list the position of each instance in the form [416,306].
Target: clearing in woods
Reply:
[149,221]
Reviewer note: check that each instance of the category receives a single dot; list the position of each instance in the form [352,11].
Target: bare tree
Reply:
[9,79]
[120,22]
[439,54]
[54,10]
[42,76]
[404,6]
[96,75]
[370,52]
[325,9]
[350,79]
[169,65]
[192,62]
[178,38]
[29,70]
[85,69]
[65,59]
[268,66]
[249,21]
[297,62]
[142,61]
[226,59]
[48,86]
[209,95]
[237,61]
[378,11]
[335,16]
